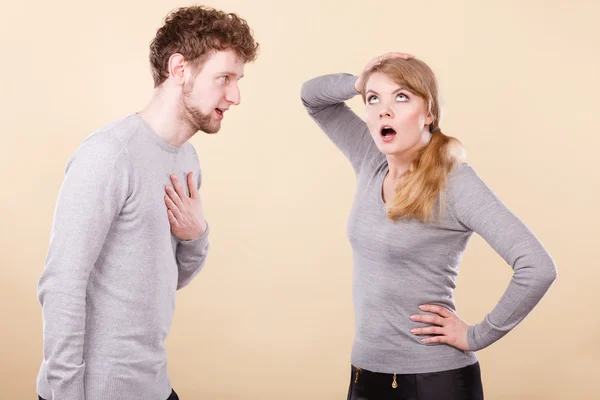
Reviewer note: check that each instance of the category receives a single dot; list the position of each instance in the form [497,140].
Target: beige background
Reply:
[270,317]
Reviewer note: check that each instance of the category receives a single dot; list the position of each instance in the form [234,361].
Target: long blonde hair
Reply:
[422,185]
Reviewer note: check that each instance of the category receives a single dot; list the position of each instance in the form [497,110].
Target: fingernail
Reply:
[413,316]
[174,177]
[413,330]
[422,307]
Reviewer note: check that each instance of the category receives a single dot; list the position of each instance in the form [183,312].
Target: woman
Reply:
[416,206]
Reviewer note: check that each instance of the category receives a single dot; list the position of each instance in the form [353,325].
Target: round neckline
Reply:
[384,171]
[155,137]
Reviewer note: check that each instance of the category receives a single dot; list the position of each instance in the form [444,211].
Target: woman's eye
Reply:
[372,100]
[401,97]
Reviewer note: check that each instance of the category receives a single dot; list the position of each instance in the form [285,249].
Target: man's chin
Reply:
[211,129]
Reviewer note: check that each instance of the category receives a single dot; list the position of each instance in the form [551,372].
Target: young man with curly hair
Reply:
[128,228]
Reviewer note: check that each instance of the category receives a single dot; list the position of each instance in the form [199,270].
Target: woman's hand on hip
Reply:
[446,325]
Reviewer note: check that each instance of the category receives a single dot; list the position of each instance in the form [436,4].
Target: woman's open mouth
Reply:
[387,133]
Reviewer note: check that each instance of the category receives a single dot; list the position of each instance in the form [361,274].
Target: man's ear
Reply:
[177,67]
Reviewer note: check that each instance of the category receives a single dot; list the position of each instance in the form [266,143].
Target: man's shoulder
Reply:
[108,144]
[115,135]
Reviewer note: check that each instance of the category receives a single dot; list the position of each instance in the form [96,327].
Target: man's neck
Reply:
[164,115]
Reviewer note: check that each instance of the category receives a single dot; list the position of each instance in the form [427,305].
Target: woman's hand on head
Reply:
[378,60]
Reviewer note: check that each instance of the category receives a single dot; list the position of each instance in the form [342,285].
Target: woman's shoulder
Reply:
[465,183]
[463,174]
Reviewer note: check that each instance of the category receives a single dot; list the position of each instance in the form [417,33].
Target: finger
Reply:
[428,319]
[172,219]
[172,207]
[435,339]
[443,311]
[173,195]
[396,54]
[178,186]
[405,56]
[393,55]
[428,330]
[192,185]
[378,60]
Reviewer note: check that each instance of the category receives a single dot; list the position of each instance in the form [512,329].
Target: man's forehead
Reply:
[227,56]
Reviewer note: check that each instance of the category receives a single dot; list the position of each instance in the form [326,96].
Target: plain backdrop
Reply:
[270,317]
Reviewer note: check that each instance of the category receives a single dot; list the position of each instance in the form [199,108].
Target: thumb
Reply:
[192,185]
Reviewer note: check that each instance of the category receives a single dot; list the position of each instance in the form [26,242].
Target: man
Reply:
[128,228]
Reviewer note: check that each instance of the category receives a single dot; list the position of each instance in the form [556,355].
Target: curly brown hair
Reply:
[196,31]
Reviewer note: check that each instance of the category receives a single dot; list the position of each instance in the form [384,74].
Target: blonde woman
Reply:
[417,203]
